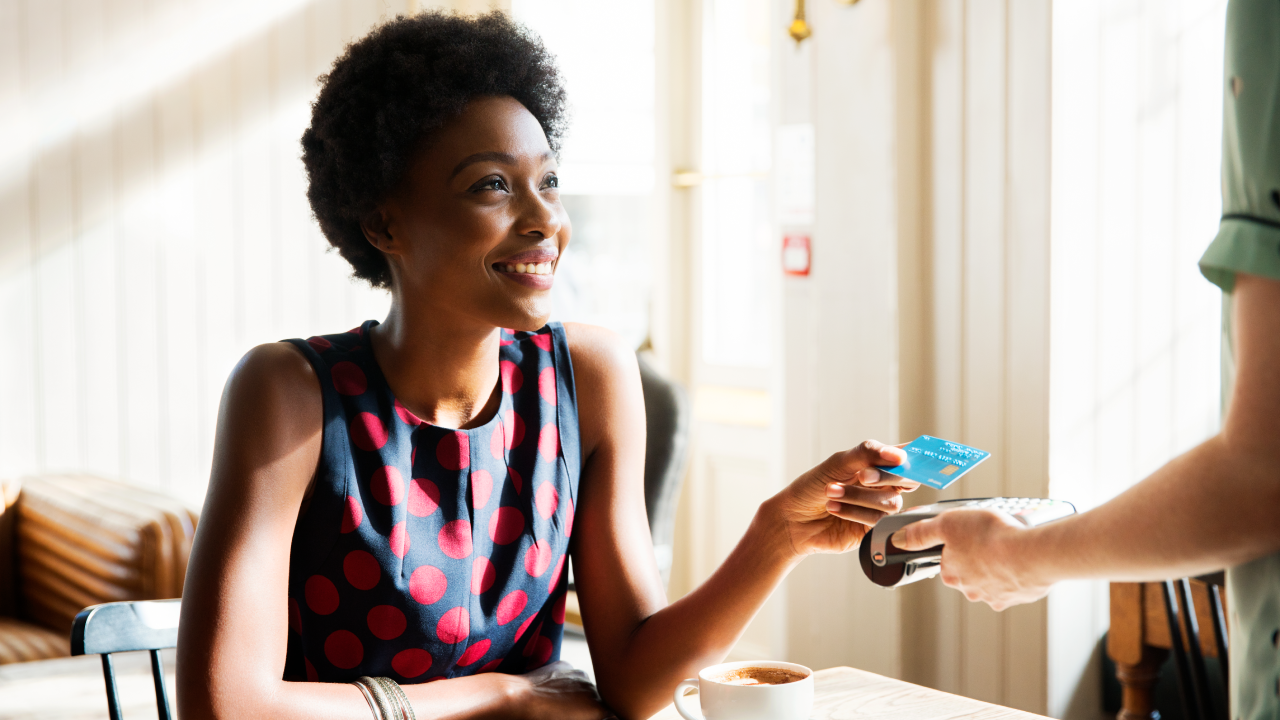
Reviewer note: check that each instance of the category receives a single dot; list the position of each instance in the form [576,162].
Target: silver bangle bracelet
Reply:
[405,710]
[373,704]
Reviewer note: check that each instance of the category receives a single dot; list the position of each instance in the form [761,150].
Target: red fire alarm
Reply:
[795,254]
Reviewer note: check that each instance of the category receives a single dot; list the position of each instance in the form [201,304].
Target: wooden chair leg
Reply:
[1137,685]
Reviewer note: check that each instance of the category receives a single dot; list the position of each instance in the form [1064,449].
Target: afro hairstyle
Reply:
[386,95]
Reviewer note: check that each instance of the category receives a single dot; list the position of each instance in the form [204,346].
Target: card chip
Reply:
[949,469]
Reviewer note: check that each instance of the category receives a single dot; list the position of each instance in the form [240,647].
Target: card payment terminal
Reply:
[888,566]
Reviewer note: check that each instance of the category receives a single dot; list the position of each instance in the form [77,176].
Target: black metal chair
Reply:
[1189,665]
[667,413]
[150,625]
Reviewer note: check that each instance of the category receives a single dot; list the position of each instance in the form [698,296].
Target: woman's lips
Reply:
[531,269]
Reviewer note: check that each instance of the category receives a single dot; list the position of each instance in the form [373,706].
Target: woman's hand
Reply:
[829,508]
[559,691]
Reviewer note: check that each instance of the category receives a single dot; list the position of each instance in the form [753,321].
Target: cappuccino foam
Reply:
[759,676]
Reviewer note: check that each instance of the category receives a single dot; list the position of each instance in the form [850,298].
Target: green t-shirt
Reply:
[1248,241]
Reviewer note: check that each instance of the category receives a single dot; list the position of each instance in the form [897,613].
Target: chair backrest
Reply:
[150,625]
[666,409]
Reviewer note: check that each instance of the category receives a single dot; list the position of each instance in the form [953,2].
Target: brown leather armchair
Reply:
[70,541]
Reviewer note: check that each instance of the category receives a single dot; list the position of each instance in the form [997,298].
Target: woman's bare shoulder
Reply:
[272,403]
[607,380]
[597,351]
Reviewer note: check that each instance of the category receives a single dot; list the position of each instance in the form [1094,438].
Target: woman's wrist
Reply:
[770,532]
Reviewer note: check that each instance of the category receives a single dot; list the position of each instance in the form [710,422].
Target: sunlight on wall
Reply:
[153,222]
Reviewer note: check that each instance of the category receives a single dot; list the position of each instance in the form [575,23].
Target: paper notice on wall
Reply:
[793,172]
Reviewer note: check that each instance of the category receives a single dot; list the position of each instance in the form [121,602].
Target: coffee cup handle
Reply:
[684,705]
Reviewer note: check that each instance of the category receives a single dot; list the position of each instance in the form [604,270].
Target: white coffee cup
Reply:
[723,701]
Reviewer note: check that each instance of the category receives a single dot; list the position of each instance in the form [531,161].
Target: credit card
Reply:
[936,462]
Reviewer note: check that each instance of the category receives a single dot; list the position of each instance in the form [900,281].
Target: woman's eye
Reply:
[494,183]
[551,182]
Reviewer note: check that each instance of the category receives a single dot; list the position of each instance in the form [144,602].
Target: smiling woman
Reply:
[334,560]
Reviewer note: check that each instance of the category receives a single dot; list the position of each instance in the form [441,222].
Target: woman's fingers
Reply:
[871,477]
[883,500]
[856,513]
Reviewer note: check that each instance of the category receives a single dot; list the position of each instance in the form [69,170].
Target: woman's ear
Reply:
[377,230]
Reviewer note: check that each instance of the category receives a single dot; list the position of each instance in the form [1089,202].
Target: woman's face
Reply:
[476,229]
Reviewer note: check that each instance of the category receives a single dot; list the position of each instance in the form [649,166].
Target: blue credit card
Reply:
[936,462]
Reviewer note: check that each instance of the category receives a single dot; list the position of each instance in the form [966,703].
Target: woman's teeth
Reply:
[528,269]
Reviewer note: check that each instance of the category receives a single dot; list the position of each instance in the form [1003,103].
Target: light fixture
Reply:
[799,29]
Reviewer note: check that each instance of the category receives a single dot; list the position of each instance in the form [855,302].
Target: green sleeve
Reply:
[1243,245]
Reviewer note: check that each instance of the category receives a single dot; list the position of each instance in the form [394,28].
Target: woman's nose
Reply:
[539,215]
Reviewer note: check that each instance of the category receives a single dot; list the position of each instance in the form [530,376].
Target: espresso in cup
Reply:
[752,690]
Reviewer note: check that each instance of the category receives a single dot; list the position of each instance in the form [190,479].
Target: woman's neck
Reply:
[443,369]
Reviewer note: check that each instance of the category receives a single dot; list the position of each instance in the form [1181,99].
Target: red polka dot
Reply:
[454,626]
[497,442]
[319,343]
[424,497]
[489,666]
[555,574]
[412,662]
[455,539]
[321,595]
[546,500]
[474,653]
[387,485]
[513,429]
[348,378]
[512,378]
[568,518]
[506,525]
[352,515]
[481,488]
[312,675]
[537,558]
[547,385]
[343,649]
[524,626]
[529,646]
[367,432]
[408,417]
[557,612]
[386,622]
[482,575]
[542,648]
[295,616]
[399,539]
[542,340]
[549,442]
[454,451]
[516,480]
[361,569]
[510,607]
[357,330]
[427,584]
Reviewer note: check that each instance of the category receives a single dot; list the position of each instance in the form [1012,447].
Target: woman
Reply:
[403,548]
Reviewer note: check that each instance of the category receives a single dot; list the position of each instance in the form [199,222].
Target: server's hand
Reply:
[984,555]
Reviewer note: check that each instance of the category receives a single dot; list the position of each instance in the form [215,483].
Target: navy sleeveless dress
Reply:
[427,553]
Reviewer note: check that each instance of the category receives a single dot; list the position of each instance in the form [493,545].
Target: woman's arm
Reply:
[234,627]
[1212,507]
[641,647]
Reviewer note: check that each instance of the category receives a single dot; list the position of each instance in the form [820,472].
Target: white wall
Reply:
[153,223]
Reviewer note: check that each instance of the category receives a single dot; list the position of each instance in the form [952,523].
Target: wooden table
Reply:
[71,689]
[846,694]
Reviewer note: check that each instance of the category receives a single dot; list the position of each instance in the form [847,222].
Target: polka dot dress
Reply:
[426,553]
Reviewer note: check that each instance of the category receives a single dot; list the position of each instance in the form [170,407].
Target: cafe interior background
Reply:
[1002,202]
